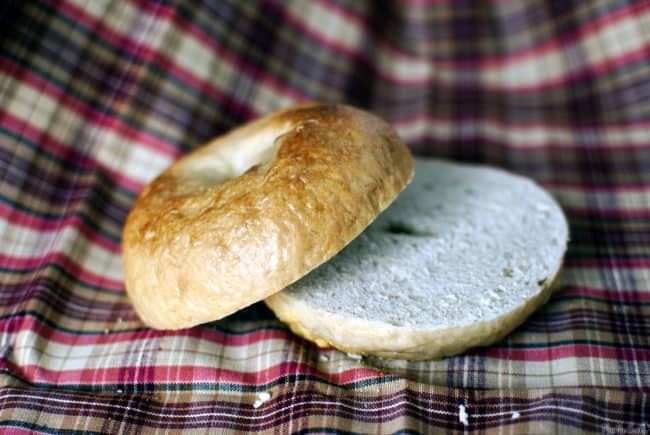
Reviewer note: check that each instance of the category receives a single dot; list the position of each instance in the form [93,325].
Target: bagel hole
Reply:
[232,156]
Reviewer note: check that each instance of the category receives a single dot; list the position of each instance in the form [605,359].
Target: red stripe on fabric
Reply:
[26,220]
[177,374]
[65,152]
[542,85]
[567,351]
[609,213]
[531,354]
[44,140]
[582,73]
[198,33]
[183,374]
[610,127]
[499,61]
[71,266]
[348,16]
[87,112]
[590,27]
[82,18]
[135,134]
[13,429]
[421,3]
[258,74]
[597,188]
[291,93]
[144,53]
[609,263]
[613,295]
[319,38]
[582,32]
[522,146]
[198,333]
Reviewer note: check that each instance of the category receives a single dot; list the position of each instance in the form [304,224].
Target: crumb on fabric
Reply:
[463,415]
[262,398]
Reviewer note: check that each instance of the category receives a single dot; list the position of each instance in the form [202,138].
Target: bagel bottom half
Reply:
[461,258]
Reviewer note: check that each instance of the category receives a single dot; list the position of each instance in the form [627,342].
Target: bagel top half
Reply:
[254,210]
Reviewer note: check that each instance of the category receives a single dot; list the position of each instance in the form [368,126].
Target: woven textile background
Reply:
[98,96]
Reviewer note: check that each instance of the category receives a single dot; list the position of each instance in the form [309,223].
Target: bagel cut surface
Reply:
[459,260]
[252,211]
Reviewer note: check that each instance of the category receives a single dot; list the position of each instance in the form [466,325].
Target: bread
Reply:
[459,260]
[252,211]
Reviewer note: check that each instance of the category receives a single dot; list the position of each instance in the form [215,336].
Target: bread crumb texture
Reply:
[468,250]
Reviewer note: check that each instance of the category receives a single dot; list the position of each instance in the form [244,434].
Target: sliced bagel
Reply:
[461,258]
[250,212]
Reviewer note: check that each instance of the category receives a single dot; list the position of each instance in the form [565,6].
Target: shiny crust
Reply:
[204,240]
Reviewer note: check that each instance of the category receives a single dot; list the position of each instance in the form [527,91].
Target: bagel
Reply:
[462,257]
[254,210]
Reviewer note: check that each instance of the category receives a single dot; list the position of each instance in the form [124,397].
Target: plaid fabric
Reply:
[97,97]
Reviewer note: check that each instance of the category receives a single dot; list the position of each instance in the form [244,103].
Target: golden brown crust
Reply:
[200,244]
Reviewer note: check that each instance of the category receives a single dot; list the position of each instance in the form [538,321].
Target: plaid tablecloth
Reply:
[98,96]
